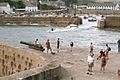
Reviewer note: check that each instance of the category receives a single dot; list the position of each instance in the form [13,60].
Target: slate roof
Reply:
[103,4]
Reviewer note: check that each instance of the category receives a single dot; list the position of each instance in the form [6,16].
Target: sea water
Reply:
[81,36]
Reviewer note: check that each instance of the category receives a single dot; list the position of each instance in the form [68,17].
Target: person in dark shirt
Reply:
[58,44]
[108,49]
[91,47]
[71,45]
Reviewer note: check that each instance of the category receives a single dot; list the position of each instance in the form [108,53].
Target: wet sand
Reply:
[75,64]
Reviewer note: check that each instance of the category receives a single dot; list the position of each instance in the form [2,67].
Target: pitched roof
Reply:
[103,4]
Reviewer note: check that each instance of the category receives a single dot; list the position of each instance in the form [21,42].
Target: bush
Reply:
[16,4]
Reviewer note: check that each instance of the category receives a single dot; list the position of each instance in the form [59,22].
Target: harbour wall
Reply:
[109,22]
[20,64]
[28,20]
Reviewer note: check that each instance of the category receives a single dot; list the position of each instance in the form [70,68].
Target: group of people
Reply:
[103,57]
[48,45]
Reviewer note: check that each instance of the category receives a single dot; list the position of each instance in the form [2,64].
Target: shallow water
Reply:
[82,36]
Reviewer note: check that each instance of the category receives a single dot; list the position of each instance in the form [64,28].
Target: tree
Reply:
[70,2]
[16,4]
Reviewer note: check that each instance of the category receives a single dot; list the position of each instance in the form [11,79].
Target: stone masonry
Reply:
[19,64]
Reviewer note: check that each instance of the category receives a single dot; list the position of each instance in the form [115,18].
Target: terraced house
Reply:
[104,6]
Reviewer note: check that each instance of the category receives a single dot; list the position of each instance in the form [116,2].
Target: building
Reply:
[31,7]
[5,8]
[104,6]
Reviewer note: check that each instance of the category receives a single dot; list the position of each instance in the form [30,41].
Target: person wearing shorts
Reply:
[103,62]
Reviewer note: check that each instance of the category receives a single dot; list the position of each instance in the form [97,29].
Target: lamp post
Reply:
[40,5]
[75,8]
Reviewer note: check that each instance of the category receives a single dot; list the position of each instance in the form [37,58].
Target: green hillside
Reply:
[16,4]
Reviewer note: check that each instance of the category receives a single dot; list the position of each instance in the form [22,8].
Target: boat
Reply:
[85,17]
[52,30]
[72,26]
[92,19]
[34,24]
[68,28]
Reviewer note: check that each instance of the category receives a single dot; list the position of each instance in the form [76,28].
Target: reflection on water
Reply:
[113,30]
[82,36]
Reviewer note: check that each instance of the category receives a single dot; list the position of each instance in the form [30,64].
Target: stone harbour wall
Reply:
[112,21]
[101,23]
[19,64]
[109,22]
[58,21]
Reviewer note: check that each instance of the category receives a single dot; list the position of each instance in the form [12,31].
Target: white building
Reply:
[5,8]
[104,6]
[31,7]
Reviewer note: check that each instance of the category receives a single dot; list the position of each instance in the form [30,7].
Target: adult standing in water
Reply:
[48,46]
[58,44]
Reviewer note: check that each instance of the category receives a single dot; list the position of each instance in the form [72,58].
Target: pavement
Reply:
[75,65]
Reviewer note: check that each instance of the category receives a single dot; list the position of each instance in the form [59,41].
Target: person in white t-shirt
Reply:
[36,42]
[90,61]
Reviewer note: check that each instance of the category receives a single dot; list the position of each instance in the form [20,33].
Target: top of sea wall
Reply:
[112,21]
